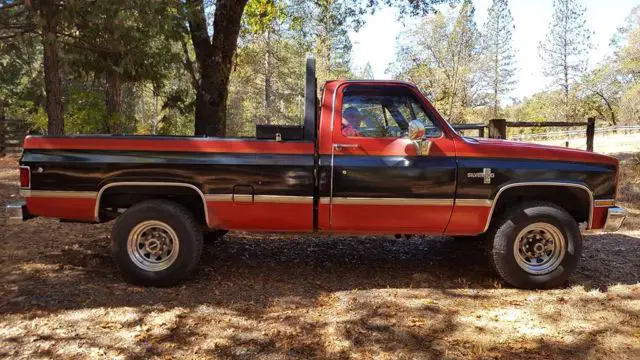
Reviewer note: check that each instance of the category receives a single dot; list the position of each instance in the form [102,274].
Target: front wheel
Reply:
[156,243]
[536,245]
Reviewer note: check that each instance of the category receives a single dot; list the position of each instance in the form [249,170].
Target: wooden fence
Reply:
[498,128]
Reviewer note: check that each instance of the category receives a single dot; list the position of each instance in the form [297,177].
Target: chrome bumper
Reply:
[17,212]
[615,218]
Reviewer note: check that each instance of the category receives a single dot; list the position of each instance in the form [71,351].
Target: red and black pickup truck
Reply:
[374,157]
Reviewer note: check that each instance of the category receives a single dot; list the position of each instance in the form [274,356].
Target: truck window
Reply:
[382,115]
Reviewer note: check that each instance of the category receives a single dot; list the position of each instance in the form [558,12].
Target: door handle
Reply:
[341,147]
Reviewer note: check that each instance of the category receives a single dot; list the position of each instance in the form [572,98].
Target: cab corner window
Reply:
[382,114]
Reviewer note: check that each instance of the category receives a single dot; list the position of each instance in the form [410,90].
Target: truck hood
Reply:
[478,147]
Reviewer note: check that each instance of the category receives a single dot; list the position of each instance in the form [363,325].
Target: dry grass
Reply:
[274,296]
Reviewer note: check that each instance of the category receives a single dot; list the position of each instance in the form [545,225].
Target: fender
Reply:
[174,184]
[542,183]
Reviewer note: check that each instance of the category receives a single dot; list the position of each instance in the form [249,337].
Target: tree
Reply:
[601,90]
[120,42]
[566,47]
[42,17]
[628,44]
[214,57]
[214,54]
[367,72]
[628,56]
[497,34]
[442,56]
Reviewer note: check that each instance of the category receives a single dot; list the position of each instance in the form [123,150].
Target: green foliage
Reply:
[126,66]
[499,53]
[261,15]
[565,48]
[442,55]
[21,77]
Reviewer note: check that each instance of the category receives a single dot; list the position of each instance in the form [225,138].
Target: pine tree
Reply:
[442,55]
[367,72]
[566,46]
[498,31]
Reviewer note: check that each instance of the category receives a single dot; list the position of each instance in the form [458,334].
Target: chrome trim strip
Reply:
[391,201]
[474,202]
[242,198]
[219,197]
[283,199]
[604,203]
[58,194]
[502,189]
[325,200]
[204,201]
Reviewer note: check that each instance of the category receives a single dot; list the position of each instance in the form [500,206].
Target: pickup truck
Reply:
[374,157]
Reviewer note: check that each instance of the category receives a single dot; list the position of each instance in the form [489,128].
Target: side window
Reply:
[380,115]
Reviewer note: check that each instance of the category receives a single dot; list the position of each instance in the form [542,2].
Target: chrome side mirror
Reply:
[416,135]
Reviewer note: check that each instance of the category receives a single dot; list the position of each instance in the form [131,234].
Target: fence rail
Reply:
[551,135]
[498,128]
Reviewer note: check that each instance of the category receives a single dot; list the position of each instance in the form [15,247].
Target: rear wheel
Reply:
[536,245]
[156,243]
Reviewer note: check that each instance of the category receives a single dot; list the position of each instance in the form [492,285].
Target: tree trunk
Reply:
[114,103]
[214,59]
[267,79]
[52,82]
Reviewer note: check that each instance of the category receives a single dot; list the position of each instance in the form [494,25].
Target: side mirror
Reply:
[416,130]
[416,135]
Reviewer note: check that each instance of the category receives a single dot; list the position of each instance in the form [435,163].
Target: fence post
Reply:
[498,128]
[481,132]
[591,130]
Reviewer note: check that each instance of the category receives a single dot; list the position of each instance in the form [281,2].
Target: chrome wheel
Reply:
[539,248]
[153,245]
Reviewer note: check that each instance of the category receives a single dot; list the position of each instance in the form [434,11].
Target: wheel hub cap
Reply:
[539,248]
[153,245]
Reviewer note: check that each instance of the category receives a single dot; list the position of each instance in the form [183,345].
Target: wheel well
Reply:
[113,200]
[575,200]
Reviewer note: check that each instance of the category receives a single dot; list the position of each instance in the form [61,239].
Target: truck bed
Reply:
[227,174]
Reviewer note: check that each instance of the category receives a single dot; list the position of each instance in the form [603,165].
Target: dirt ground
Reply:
[274,296]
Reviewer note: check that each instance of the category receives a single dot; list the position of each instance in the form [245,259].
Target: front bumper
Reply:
[17,212]
[615,218]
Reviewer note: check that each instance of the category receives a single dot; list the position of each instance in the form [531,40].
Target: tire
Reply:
[529,230]
[156,243]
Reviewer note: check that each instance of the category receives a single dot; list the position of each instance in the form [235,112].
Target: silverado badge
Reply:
[486,174]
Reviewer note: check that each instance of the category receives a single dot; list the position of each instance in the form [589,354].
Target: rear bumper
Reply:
[17,212]
[615,218]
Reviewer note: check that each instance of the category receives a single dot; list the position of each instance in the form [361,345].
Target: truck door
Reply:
[379,182]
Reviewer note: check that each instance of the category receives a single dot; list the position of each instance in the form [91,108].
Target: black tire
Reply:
[502,241]
[167,216]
